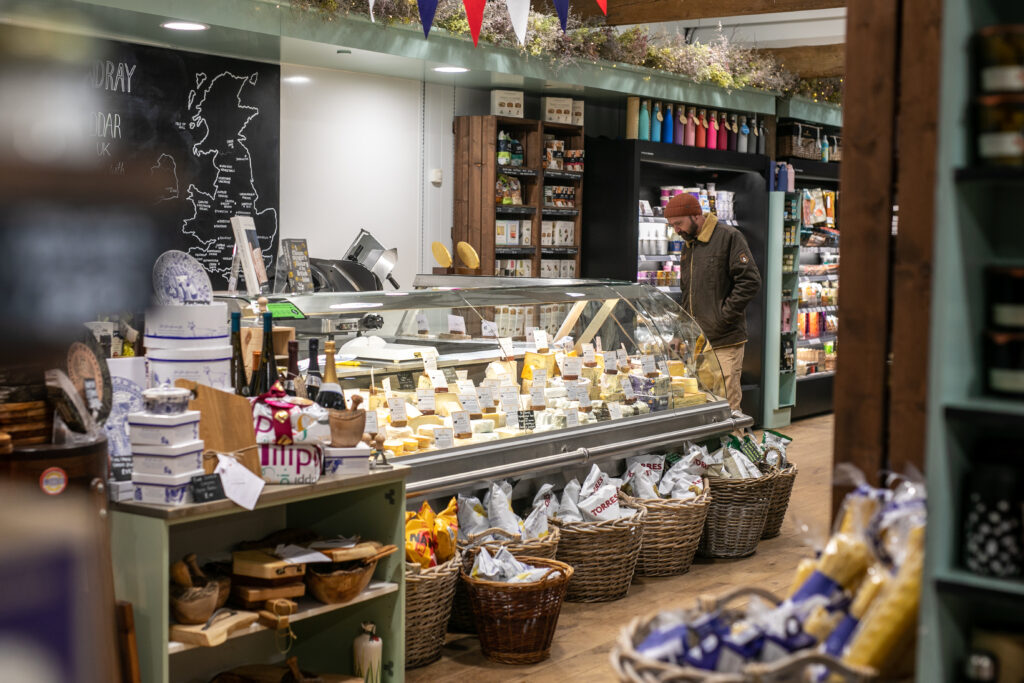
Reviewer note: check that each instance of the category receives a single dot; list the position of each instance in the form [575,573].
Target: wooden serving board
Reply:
[225,424]
[217,632]
[358,552]
[260,564]
[253,597]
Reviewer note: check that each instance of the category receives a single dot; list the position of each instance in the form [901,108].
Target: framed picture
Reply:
[249,254]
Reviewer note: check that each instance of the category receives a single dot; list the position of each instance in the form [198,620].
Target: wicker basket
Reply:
[462,612]
[428,605]
[634,667]
[672,531]
[800,140]
[736,516]
[780,501]
[516,621]
[603,554]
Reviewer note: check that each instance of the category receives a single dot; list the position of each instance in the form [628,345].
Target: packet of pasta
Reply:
[869,589]
[446,530]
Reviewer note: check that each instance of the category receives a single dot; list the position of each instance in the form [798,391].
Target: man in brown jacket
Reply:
[718,279]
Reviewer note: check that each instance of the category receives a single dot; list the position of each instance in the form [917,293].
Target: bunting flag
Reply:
[475,17]
[519,13]
[562,7]
[371,12]
[427,10]
[603,4]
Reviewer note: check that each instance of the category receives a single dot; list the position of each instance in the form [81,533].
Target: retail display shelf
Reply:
[562,175]
[658,257]
[512,250]
[988,174]
[511,210]
[699,158]
[985,406]
[817,375]
[956,580]
[819,309]
[558,251]
[307,608]
[820,278]
[807,169]
[558,211]
[791,272]
[821,250]
[521,171]
[564,127]
[790,246]
[817,341]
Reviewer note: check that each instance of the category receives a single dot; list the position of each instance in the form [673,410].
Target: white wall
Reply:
[351,158]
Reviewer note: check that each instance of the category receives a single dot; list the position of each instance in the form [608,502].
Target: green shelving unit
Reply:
[780,292]
[977,210]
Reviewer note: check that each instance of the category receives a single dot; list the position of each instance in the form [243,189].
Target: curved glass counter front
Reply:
[501,381]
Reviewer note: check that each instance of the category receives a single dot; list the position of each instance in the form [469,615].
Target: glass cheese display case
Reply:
[469,379]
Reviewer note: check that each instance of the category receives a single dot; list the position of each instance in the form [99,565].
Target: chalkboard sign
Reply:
[406,382]
[121,467]
[208,129]
[207,487]
[527,420]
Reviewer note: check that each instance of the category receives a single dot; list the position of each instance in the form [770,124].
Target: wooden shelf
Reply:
[563,127]
[559,211]
[563,175]
[514,210]
[817,375]
[559,251]
[520,171]
[807,169]
[308,607]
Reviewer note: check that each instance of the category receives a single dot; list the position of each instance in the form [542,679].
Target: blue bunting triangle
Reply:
[427,10]
[562,7]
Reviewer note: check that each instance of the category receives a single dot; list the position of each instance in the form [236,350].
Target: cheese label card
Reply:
[529,334]
[444,437]
[425,399]
[512,419]
[488,328]
[615,411]
[506,346]
[566,343]
[450,375]
[589,356]
[583,396]
[470,403]
[663,366]
[429,357]
[627,389]
[460,419]
[396,405]
[456,324]
[572,418]
[537,399]
[527,420]
[621,354]
[573,366]
[540,340]
[597,344]
[486,396]
[647,365]
[509,398]
[540,376]
[371,427]
[207,487]
[461,375]
[466,386]
[609,360]
[386,383]
[421,322]
[438,380]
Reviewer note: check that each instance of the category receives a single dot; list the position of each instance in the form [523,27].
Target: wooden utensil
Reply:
[193,605]
[180,574]
[214,631]
[251,597]
[260,564]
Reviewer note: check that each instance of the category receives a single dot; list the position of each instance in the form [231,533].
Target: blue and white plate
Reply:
[180,279]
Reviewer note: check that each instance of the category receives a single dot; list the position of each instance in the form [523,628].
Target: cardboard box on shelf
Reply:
[577,112]
[547,233]
[512,231]
[567,268]
[526,232]
[524,268]
[556,109]
[565,233]
[507,103]
[500,234]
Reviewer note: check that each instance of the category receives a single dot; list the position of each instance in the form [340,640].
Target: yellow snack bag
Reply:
[446,530]
[420,546]
[427,514]
[409,514]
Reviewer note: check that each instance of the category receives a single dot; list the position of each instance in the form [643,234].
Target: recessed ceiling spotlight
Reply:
[296,79]
[451,69]
[184,26]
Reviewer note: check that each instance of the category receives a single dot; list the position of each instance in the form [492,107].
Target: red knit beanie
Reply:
[684,204]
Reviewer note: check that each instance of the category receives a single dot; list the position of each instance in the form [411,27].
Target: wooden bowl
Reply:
[194,605]
[339,581]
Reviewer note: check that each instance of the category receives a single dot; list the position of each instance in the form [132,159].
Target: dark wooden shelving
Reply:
[990,174]
[817,171]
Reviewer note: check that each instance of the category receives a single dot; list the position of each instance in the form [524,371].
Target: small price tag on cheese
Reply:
[444,437]
[371,422]
[425,399]
[615,411]
[530,329]
[537,399]
[609,360]
[466,386]
[597,343]
[460,419]
[621,355]
[566,343]
[540,376]
[583,396]
[429,357]
[540,340]
[663,366]
[506,346]
[573,366]
[512,419]
[456,324]
[589,355]
[647,365]
[488,328]
[438,380]
[386,383]
[396,406]
[486,396]
[572,418]
[527,420]
[509,398]
[470,403]
[627,389]
[421,322]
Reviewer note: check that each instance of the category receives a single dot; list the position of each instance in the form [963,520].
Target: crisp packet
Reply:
[595,479]
[506,489]
[536,524]
[642,481]
[652,461]
[547,500]
[446,530]
[773,445]
[419,543]
[603,504]
[679,479]
[486,567]
[568,510]
[738,465]
[472,517]
[499,511]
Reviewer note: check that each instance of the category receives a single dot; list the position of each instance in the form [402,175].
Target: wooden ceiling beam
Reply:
[811,61]
[653,11]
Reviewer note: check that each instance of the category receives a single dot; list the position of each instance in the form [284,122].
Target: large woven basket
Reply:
[672,531]
[736,516]
[462,613]
[428,605]
[603,554]
[800,140]
[516,621]
[633,667]
[780,502]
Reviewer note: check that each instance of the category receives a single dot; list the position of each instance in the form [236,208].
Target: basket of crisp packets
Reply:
[849,615]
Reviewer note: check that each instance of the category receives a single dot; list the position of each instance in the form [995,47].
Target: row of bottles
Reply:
[692,127]
[324,389]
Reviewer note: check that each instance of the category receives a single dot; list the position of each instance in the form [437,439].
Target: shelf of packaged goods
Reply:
[819,309]
[996,174]
[820,278]
[957,580]
[817,375]
[558,251]
[308,607]
[658,257]
[514,210]
[562,175]
[520,171]
[818,341]
[559,211]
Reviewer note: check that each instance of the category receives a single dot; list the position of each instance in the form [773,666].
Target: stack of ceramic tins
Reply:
[24,413]
[166,449]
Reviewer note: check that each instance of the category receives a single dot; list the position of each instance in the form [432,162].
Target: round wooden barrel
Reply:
[56,467]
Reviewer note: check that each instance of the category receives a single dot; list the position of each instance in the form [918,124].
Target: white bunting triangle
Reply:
[371,11]
[519,12]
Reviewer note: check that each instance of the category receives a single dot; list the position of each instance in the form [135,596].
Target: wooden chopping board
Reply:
[225,424]
[262,565]
[357,552]
[217,632]
[254,596]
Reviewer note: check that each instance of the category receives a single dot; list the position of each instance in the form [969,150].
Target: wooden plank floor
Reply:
[586,631]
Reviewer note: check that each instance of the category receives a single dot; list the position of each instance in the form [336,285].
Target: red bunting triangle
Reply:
[475,17]
[603,4]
